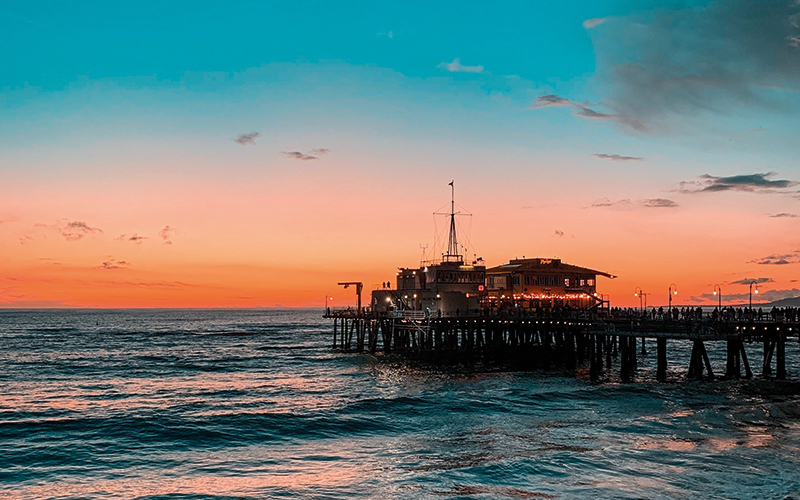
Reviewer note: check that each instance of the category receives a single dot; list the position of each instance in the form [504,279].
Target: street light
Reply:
[639,293]
[327,309]
[673,290]
[751,294]
[718,293]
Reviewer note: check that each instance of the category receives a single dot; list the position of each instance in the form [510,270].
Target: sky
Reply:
[246,154]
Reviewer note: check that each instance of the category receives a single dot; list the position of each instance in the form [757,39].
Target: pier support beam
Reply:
[661,355]
[780,357]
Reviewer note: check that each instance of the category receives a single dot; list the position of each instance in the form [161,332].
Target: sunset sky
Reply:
[241,154]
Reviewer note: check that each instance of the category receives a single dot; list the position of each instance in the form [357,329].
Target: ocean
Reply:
[213,404]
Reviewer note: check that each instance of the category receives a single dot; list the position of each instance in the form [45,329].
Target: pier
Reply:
[597,340]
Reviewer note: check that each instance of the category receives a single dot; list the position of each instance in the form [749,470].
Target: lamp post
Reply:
[751,295]
[327,308]
[639,293]
[718,293]
[673,290]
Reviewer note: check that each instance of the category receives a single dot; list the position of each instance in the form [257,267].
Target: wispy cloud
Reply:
[387,34]
[758,182]
[247,139]
[747,281]
[591,23]
[457,67]
[584,111]
[71,230]
[134,238]
[784,214]
[114,264]
[167,234]
[627,203]
[314,154]
[615,157]
[658,203]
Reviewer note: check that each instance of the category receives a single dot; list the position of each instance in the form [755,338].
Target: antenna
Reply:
[422,259]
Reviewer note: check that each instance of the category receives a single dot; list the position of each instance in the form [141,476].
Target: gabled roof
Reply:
[553,265]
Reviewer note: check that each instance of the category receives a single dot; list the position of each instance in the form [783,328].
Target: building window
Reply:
[515,280]
[590,282]
[583,282]
[566,282]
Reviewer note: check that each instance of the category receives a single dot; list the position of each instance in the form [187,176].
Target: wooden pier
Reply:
[569,340]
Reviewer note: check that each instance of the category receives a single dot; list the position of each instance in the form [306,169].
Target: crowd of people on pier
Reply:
[727,314]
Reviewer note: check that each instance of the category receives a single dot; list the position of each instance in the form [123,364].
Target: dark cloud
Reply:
[616,157]
[166,234]
[320,151]
[744,298]
[114,264]
[747,281]
[757,182]
[297,155]
[245,139]
[666,65]
[658,203]
[784,214]
[777,259]
[137,239]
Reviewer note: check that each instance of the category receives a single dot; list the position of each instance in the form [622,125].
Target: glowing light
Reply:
[388,299]
[756,291]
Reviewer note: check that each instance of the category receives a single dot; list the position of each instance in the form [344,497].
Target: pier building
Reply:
[543,283]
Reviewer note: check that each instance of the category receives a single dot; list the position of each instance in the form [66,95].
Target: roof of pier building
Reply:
[543,265]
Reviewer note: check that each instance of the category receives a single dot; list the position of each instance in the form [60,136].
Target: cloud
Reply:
[544,101]
[591,23]
[583,111]
[747,281]
[320,151]
[136,238]
[744,298]
[114,264]
[658,203]
[457,67]
[245,139]
[784,214]
[777,259]
[615,157]
[667,65]
[627,203]
[167,233]
[71,230]
[388,34]
[758,182]
[297,155]
[559,233]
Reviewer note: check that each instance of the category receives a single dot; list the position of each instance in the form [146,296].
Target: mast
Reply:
[452,241]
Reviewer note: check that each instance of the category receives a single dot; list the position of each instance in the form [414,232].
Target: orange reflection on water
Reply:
[331,476]
[667,444]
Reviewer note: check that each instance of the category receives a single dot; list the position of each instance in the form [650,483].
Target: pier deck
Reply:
[564,340]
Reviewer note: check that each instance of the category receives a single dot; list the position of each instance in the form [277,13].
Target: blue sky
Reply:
[587,111]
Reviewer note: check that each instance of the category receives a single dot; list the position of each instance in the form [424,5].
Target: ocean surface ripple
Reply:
[201,404]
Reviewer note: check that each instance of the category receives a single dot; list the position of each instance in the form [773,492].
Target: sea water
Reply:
[228,404]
